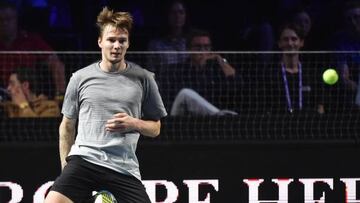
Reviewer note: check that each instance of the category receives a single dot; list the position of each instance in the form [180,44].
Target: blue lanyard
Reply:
[287,92]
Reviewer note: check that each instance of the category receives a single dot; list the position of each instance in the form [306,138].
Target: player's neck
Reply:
[112,68]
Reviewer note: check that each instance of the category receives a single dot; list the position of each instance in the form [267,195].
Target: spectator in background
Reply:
[172,40]
[258,37]
[12,38]
[302,19]
[204,85]
[257,30]
[292,85]
[348,64]
[26,101]
[256,23]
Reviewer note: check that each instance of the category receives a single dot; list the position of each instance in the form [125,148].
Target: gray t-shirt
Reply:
[94,96]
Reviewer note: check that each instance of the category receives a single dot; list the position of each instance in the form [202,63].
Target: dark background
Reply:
[32,165]
[70,25]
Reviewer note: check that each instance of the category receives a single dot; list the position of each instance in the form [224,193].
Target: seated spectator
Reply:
[204,85]
[348,64]
[172,40]
[25,98]
[316,34]
[301,18]
[258,37]
[291,85]
[12,38]
[256,29]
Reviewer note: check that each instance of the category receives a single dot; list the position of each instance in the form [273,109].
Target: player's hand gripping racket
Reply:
[104,197]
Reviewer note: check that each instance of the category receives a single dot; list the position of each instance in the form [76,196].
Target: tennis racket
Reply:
[104,197]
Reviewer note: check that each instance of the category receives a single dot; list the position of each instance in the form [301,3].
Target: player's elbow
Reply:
[154,133]
[157,133]
[157,129]
[67,125]
[150,129]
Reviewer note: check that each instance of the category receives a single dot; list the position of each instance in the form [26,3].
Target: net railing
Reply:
[258,103]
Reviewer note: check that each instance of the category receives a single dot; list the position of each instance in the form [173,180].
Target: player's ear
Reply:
[99,42]
[128,44]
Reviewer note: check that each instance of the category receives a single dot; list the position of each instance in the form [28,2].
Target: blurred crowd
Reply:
[236,25]
[202,82]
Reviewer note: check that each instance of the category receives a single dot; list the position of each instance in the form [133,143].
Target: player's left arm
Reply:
[122,122]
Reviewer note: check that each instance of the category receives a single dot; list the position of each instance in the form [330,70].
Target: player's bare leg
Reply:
[56,197]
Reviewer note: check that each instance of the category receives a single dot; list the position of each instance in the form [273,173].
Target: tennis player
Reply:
[113,101]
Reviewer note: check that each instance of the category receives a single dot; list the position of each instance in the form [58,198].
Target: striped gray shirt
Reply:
[94,96]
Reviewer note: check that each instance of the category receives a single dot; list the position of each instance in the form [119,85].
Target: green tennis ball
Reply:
[330,76]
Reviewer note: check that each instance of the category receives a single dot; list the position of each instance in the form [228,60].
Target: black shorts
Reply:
[80,178]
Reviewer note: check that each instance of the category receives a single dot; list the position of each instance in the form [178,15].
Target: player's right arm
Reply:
[66,138]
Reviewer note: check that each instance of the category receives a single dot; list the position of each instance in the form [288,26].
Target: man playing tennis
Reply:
[114,101]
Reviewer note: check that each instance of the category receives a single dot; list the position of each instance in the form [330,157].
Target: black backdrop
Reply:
[228,149]
[33,164]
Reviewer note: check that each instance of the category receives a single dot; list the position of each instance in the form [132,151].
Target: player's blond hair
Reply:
[122,20]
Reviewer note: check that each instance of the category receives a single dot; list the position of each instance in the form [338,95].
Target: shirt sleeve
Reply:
[70,107]
[153,106]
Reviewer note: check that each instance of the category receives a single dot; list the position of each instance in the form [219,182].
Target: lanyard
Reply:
[287,92]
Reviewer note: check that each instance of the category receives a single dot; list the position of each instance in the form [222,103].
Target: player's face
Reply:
[290,41]
[203,44]
[114,43]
